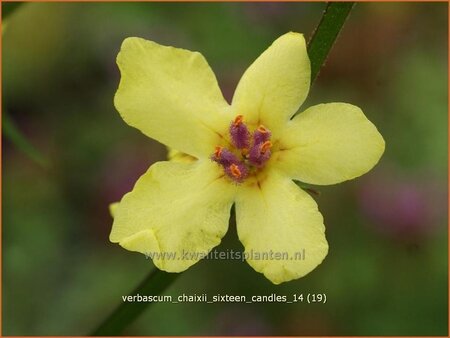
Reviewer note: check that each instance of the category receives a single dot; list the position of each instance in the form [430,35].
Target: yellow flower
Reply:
[247,153]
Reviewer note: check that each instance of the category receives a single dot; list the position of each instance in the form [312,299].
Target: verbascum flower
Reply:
[247,153]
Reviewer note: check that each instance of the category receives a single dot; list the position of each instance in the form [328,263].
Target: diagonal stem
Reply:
[155,283]
[326,33]
[15,136]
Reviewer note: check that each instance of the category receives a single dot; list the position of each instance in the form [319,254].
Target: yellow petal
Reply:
[328,144]
[112,208]
[178,156]
[280,218]
[276,84]
[144,241]
[177,209]
[171,95]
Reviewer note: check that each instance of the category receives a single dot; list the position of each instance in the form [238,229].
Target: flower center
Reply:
[248,152]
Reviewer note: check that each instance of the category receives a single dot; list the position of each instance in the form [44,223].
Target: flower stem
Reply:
[325,34]
[14,135]
[155,283]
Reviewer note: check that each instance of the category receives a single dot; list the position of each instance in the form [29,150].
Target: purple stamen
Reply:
[259,154]
[240,136]
[237,172]
[261,135]
[224,157]
[247,153]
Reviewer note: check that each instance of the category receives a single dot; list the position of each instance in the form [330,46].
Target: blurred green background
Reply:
[386,272]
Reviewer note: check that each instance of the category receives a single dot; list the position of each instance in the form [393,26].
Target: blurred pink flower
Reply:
[403,206]
[241,322]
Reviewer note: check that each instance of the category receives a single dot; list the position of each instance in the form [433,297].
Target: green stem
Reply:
[13,134]
[319,46]
[155,283]
[326,33]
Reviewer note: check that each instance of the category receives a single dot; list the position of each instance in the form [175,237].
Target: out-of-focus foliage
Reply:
[386,273]
[9,8]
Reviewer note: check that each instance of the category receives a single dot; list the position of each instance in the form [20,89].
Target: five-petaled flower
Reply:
[247,153]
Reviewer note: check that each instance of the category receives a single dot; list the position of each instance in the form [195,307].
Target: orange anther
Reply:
[238,120]
[262,129]
[218,152]
[235,171]
[265,146]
